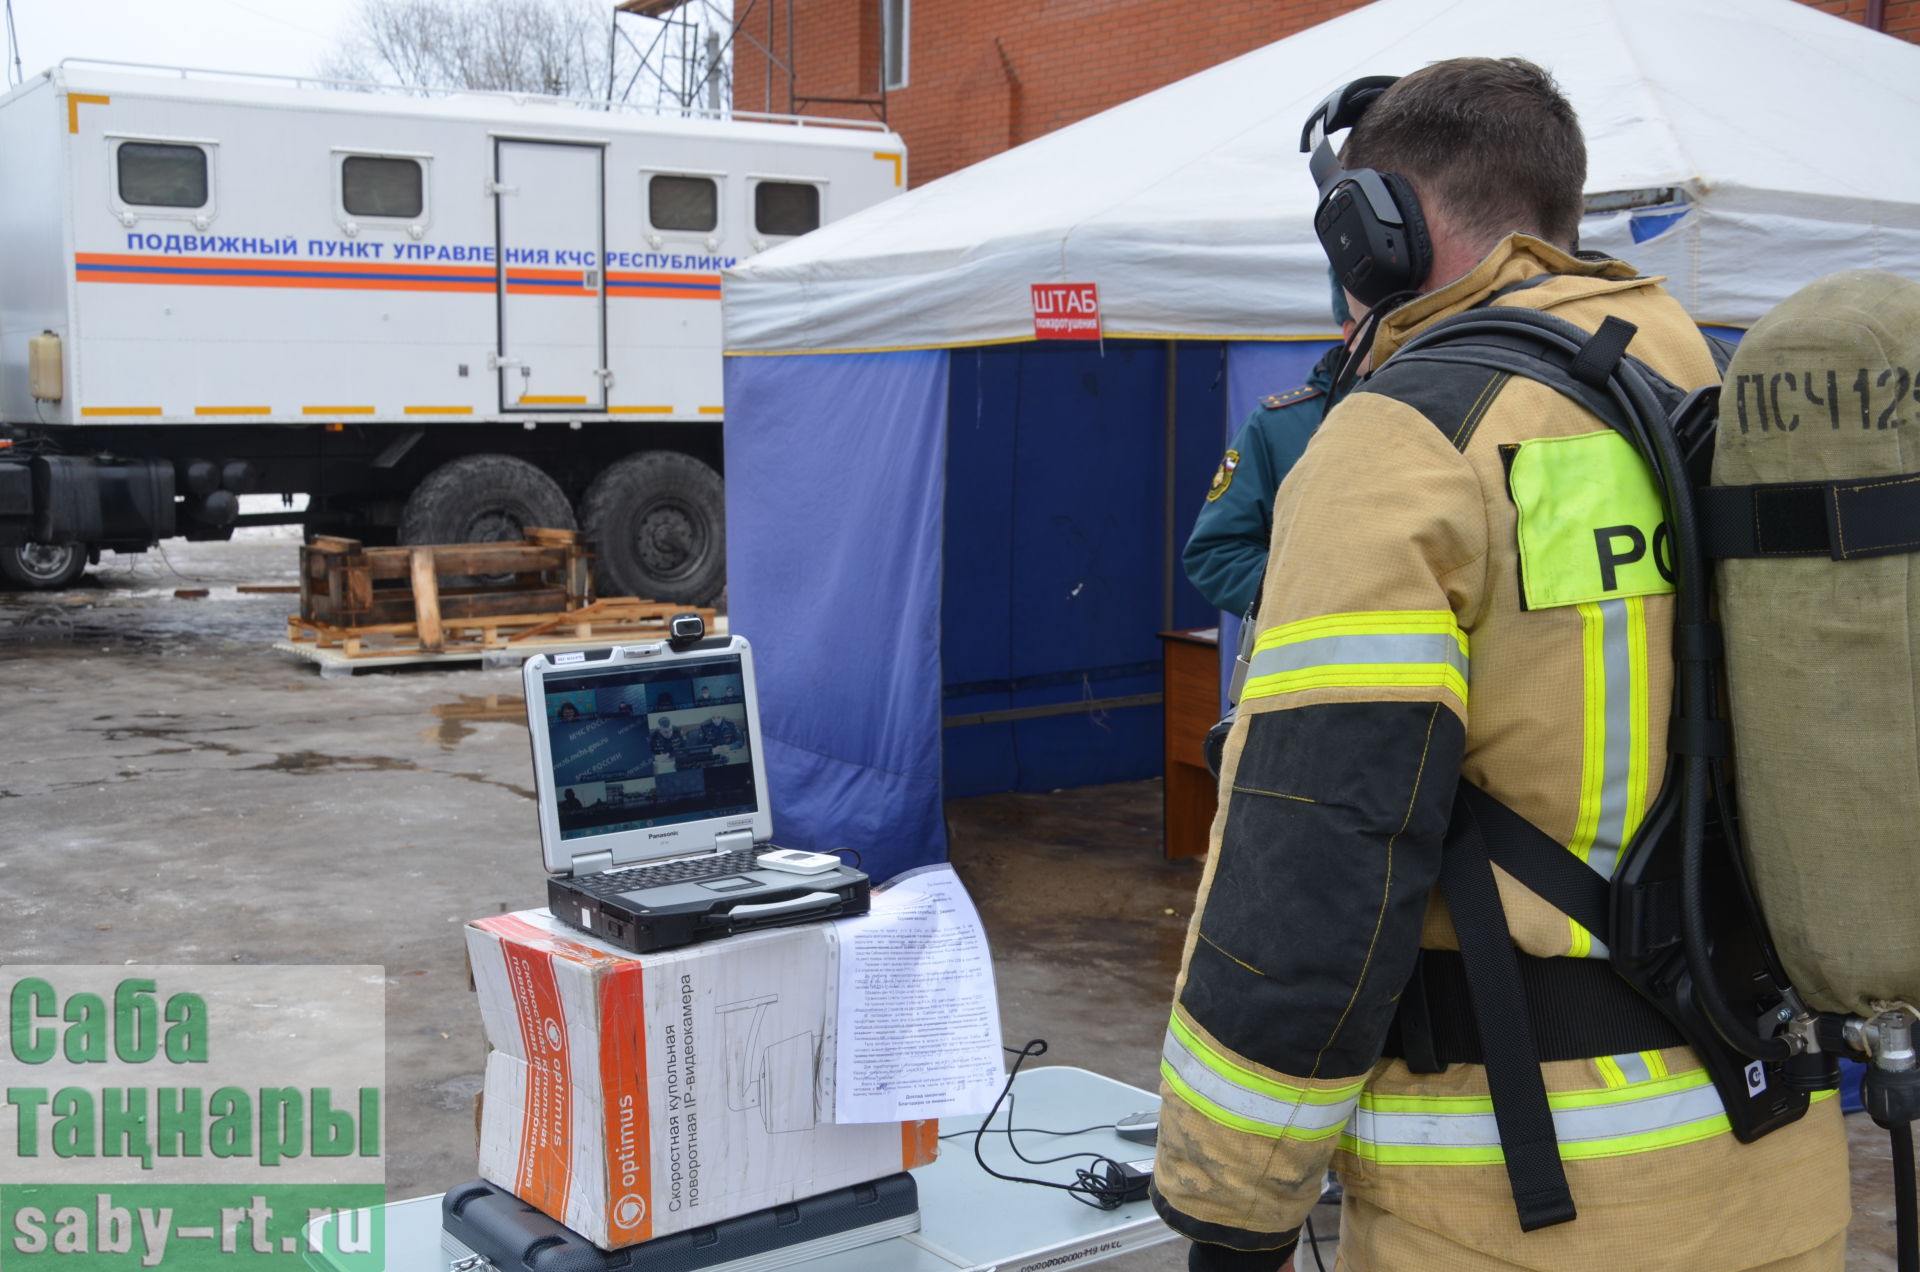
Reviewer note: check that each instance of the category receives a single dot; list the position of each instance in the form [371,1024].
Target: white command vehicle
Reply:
[441,318]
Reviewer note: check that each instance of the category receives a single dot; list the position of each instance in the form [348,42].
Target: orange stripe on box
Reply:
[121,410]
[73,107]
[514,928]
[919,1143]
[639,410]
[553,399]
[546,1130]
[713,410]
[233,410]
[336,410]
[897,165]
[437,410]
[623,1084]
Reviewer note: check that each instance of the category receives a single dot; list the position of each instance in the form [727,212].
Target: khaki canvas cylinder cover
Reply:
[1823,656]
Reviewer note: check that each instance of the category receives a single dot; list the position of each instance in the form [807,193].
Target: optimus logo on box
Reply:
[1066,311]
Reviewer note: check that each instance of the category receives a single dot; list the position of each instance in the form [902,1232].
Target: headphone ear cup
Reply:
[1419,243]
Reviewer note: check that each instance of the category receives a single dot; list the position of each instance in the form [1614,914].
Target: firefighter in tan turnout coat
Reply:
[1404,649]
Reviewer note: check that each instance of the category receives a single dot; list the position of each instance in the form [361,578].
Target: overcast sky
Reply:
[278,36]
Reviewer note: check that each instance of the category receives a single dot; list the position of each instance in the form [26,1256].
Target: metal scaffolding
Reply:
[686,54]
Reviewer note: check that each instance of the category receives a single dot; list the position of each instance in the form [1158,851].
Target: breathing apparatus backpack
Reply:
[1769,907]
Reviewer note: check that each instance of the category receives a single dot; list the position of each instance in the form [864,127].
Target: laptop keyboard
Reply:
[612,883]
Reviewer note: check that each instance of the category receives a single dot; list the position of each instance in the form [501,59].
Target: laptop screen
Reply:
[635,747]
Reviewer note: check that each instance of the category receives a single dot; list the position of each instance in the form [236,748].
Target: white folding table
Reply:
[968,1219]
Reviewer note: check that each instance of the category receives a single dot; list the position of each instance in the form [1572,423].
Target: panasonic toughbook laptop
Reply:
[654,814]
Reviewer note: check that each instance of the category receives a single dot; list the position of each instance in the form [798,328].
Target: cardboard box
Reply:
[634,1096]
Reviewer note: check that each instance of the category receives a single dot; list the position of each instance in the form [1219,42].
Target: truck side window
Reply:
[373,186]
[156,175]
[683,203]
[786,207]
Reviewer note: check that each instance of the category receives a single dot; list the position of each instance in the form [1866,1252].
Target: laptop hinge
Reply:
[592,863]
[733,840]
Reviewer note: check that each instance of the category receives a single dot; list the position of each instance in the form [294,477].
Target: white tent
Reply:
[954,544]
[1783,129]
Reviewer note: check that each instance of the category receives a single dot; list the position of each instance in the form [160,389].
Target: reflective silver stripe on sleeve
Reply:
[1256,1106]
[1395,648]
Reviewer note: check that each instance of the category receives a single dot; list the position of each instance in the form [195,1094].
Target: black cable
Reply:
[856,866]
[1313,1244]
[1031,1130]
[1103,1186]
[1906,1207]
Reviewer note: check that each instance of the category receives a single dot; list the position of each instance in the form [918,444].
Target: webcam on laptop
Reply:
[685,630]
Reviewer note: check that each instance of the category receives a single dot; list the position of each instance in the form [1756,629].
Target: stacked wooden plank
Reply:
[462,598]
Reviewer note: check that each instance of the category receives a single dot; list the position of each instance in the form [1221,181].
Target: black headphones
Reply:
[1369,222]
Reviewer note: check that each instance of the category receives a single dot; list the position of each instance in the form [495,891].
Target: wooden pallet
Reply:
[344,584]
[358,602]
[605,622]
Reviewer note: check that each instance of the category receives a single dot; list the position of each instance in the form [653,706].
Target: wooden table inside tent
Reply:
[1190,669]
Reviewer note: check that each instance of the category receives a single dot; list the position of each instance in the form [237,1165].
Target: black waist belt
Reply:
[1579,1008]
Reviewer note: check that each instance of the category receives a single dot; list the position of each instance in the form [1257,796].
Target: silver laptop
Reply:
[655,823]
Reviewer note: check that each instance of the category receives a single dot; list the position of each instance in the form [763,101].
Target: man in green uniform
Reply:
[1227,551]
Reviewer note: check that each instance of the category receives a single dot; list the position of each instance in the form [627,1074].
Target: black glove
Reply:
[1202,1257]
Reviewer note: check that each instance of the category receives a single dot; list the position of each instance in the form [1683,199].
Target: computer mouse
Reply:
[1141,1128]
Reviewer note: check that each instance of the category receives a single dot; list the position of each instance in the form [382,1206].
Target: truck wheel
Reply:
[657,523]
[483,499]
[39,566]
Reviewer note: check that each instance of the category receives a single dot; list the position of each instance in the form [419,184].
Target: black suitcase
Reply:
[489,1224]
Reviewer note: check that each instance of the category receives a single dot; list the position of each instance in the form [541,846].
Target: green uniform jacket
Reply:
[1227,552]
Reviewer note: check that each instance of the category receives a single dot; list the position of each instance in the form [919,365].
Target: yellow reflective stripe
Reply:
[1239,1122]
[1580,1098]
[1656,1063]
[1579,942]
[1416,676]
[1363,623]
[1443,1130]
[1641,738]
[1242,1076]
[1610,1071]
[1387,648]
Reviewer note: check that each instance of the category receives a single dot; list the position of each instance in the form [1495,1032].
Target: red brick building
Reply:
[965,79]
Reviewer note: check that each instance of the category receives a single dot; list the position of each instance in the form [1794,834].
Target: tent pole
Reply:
[1167,553]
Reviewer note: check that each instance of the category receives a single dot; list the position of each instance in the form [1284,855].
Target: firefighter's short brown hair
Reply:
[1490,140]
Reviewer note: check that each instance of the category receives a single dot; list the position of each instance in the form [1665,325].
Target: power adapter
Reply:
[1127,1180]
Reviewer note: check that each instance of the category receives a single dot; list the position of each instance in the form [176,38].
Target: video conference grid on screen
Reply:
[649,747]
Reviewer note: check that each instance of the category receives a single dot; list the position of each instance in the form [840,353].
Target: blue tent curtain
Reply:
[1058,517]
[834,519]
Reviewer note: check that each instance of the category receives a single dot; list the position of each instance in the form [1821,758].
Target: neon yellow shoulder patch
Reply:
[1591,523]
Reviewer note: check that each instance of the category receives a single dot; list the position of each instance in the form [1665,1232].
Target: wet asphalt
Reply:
[174,791]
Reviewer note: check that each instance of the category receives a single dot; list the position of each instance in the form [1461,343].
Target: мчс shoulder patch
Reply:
[1223,476]
[1591,524]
